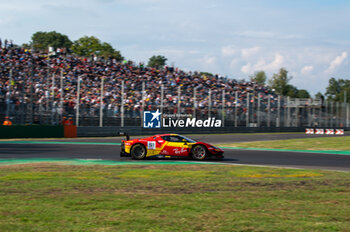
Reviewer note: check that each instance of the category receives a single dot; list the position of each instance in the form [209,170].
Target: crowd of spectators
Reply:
[36,77]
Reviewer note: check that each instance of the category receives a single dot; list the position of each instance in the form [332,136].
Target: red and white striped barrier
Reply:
[339,131]
[309,131]
[329,132]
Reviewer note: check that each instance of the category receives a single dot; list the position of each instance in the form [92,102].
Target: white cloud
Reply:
[234,63]
[193,52]
[170,52]
[262,65]
[257,34]
[337,62]
[307,69]
[228,51]
[209,60]
[248,52]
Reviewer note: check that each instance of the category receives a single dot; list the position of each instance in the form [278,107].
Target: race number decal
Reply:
[151,145]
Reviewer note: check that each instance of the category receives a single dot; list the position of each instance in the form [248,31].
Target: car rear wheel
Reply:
[138,151]
[199,152]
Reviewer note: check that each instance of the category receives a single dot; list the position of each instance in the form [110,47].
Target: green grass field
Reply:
[331,143]
[52,197]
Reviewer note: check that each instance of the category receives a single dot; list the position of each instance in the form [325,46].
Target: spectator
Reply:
[7,122]
[36,78]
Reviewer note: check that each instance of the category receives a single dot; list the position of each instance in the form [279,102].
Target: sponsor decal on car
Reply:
[151,145]
[178,151]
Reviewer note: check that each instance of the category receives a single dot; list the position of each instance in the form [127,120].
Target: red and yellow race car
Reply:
[168,146]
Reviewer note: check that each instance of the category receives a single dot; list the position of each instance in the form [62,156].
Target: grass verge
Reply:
[46,197]
[332,143]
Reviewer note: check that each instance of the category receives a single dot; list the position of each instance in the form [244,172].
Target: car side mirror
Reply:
[185,141]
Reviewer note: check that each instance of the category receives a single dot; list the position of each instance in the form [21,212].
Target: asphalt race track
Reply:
[111,152]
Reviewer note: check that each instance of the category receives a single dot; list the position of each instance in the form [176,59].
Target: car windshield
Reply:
[188,139]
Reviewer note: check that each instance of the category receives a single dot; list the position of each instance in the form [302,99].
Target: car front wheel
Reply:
[138,151]
[199,152]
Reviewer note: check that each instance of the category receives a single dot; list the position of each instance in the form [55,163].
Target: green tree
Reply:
[206,74]
[292,91]
[157,61]
[303,93]
[336,90]
[280,82]
[42,40]
[259,77]
[88,45]
[319,95]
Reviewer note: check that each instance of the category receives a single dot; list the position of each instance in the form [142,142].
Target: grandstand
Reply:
[36,88]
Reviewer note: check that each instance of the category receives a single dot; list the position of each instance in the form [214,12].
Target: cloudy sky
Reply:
[310,38]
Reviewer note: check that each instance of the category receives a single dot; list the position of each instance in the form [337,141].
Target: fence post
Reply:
[31,93]
[309,116]
[101,102]
[258,113]
[223,107]
[338,120]
[122,107]
[320,117]
[209,104]
[325,114]
[297,103]
[9,94]
[78,103]
[53,96]
[61,97]
[347,115]
[194,102]
[345,101]
[279,111]
[178,99]
[247,112]
[332,114]
[236,109]
[143,102]
[269,111]
[161,99]
[288,111]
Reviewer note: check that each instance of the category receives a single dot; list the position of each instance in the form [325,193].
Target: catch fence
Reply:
[121,103]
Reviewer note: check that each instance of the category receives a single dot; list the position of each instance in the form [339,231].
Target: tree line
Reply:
[280,82]
[337,90]
[85,46]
